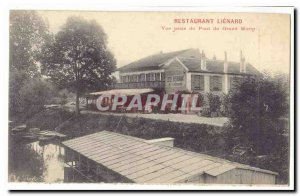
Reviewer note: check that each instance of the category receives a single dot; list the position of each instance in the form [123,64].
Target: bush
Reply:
[65,96]
[35,94]
[200,100]
[225,105]
[214,104]
[27,95]
[255,108]
[16,81]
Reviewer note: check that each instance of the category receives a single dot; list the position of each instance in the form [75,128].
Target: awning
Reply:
[126,92]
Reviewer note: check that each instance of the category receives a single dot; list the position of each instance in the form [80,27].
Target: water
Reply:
[36,162]
[53,161]
[40,162]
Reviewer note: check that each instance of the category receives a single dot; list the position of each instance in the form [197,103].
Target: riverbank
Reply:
[174,117]
[201,138]
[190,136]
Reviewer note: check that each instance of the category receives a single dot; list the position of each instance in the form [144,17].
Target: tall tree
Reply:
[27,33]
[78,58]
[255,108]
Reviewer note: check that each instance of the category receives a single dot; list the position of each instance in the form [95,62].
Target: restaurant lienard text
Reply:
[208,21]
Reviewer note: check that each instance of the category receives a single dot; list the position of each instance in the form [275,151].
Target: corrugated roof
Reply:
[142,162]
[158,61]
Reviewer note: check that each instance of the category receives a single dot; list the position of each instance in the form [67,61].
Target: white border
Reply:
[115,5]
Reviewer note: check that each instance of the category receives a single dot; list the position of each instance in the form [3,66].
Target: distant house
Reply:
[184,70]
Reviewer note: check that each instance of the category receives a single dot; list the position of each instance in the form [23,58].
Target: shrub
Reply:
[214,103]
[255,108]
[35,94]
[225,105]
[16,81]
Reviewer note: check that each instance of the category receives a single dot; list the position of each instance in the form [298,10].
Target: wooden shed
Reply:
[113,157]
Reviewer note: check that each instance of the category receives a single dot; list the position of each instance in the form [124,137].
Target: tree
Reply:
[16,81]
[78,58]
[35,93]
[256,106]
[214,102]
[27,33]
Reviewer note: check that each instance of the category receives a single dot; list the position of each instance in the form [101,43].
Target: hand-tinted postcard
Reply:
[151,98]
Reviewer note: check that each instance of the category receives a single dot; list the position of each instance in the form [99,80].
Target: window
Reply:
[123,79]
[131,78]
[169,79]
[215,83]
[151,76]
[134,78]
[126,79]
[157,76]
[142,78]
[198,83]
[162,76]
[177,78]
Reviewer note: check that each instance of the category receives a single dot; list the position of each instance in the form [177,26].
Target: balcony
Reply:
[148,84]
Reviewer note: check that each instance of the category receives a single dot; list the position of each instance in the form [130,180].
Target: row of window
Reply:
[215,82]
[143,77]
[177,78]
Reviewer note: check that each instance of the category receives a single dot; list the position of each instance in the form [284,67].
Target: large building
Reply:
[185,70]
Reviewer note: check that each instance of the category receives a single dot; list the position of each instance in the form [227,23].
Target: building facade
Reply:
[186,70]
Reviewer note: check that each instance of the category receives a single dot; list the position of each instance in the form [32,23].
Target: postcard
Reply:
[143,99]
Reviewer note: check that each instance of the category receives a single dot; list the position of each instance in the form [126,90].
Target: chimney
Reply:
[242,64]
[226,78]
[225,63]
[214,57]
[203,61]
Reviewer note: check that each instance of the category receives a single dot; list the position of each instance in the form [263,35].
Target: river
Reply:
[38,162]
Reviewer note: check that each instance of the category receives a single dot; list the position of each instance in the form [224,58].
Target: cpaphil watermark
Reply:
[183,102]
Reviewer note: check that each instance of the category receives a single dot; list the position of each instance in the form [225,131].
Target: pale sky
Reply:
[133,35]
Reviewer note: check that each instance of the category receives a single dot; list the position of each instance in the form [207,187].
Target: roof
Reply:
[217,66]
[142,162]
[125,92]
[158,61]
[153,62]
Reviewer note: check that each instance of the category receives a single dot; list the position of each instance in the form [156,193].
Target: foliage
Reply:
[255,108]
[78,58]
[27,94]
[34,94]
[27,33]
[16,81]
[214,102]
[63,96]
[225,105]
[200,100]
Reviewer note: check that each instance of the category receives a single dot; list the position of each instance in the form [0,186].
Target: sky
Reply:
[134,35]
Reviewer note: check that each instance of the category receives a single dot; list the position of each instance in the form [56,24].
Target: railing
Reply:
[148,84]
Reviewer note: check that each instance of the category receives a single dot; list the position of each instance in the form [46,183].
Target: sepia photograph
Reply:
[151,98]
